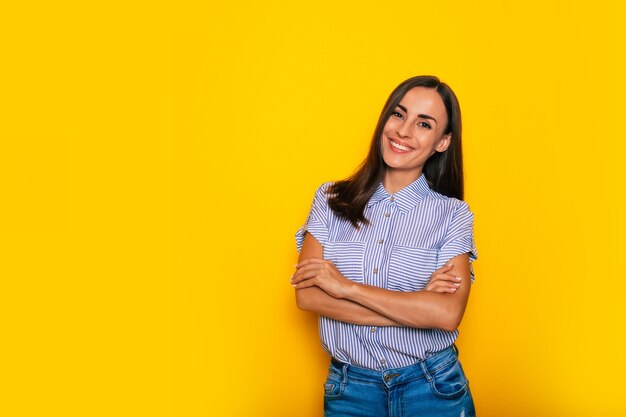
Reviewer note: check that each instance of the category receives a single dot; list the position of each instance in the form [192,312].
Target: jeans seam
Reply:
[456,394]
[440,367]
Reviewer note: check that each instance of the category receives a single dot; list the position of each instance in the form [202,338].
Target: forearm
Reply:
[321,288]
[316,300]
[420,309]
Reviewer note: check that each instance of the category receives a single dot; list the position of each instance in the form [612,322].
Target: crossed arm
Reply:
[321,288]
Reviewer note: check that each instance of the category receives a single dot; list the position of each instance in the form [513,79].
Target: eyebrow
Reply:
[422,116]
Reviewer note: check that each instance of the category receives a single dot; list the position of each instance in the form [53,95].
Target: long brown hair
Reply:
[443,170]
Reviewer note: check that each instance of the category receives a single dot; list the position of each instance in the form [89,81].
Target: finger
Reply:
[442,287]
[303,274]
[304,284]
[317,266]
[309,261]
[445,277]
[442,284]
[313,269]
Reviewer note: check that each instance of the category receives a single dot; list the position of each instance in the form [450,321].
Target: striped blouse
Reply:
[411,234]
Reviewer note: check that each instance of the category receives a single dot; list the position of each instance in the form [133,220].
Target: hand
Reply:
[323,274]
[441,281]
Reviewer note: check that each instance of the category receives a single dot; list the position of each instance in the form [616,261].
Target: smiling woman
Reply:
[411,135]
[385,261]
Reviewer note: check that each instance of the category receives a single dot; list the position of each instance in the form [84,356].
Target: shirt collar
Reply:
[406,198]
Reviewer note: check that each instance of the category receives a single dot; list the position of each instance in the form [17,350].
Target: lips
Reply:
[399,146]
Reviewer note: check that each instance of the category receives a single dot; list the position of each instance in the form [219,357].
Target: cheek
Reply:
[390,124]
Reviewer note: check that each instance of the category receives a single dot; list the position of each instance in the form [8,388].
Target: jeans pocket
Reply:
[410,268]
[449,382]
[334,385]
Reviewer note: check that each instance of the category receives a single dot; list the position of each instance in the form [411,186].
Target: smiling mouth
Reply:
[400,147]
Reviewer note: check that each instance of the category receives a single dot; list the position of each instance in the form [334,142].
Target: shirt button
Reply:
[392,199]
[375,271]
[380,241]
[387,214]
[383,361]
[373,330]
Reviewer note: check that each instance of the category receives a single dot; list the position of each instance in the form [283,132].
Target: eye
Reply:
[397,114]
[424,125]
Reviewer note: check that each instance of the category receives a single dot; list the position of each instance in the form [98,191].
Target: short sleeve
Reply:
[459,237]
[317,222]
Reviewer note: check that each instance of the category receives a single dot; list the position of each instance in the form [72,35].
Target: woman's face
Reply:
[415,131]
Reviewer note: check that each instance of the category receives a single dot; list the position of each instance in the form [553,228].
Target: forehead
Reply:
[424,100]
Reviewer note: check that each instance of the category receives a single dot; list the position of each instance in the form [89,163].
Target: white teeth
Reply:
[400,147]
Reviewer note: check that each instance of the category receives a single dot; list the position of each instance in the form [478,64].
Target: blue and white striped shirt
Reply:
[411,234]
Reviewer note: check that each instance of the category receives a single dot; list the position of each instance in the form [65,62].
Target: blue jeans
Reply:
[434,387]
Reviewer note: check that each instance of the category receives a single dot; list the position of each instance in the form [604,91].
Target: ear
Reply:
[444,142]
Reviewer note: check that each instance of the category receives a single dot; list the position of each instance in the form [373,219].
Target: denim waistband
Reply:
[395,376]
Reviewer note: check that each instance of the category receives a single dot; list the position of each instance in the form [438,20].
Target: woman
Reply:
[385,261]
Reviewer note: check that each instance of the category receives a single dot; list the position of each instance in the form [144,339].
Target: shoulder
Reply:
[320,199]
[323,189]
[449,210]
[322,192]
[451,204]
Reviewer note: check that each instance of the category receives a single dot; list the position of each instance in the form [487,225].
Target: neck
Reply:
[395,180]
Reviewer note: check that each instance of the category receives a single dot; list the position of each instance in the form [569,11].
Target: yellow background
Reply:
[157,159]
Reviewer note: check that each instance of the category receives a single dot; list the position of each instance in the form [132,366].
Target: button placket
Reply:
[385,239]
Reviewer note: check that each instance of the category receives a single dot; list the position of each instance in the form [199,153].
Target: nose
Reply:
[403,129]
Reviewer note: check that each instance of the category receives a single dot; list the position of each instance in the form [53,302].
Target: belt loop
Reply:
[456,349]
[425,370]
[344,372]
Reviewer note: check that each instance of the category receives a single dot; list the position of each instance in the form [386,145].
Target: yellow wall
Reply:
[157,159]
